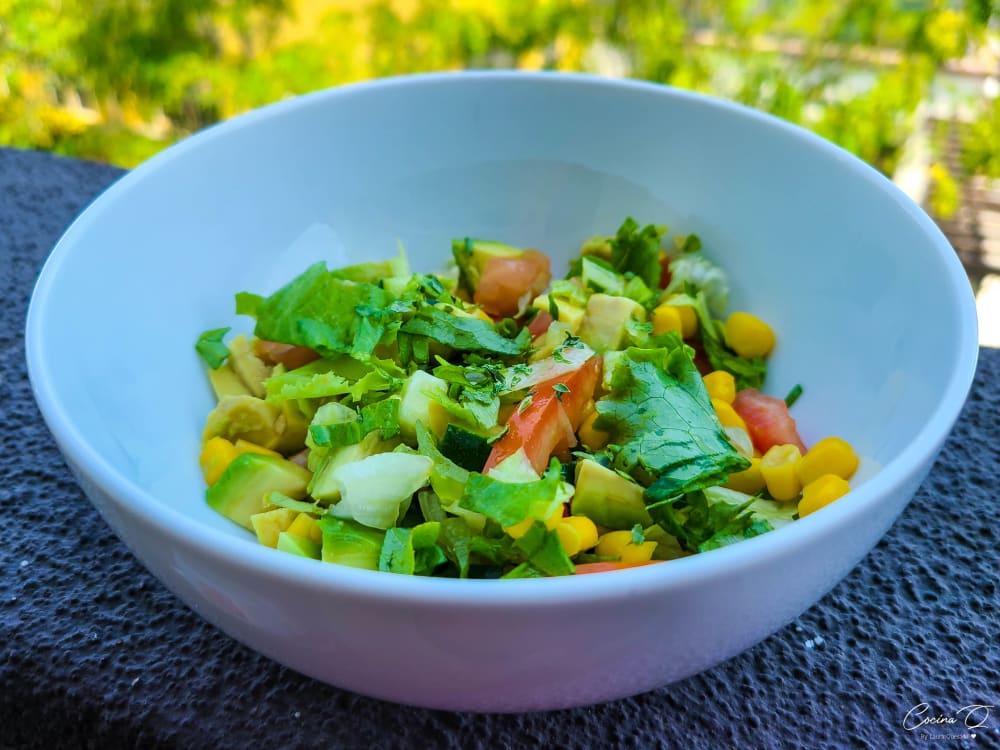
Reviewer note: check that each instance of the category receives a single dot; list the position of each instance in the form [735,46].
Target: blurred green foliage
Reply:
[118,80]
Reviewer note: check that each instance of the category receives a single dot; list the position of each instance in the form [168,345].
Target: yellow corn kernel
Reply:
[270,523]
[619,544]
[750,481]
[245,446]
[216,455]
[520,528]
[612,543]
[831,455]
[590,437]
[667,318]
[748,335]
[779,467]
[721,385]
[638,552]
[689,319]
[306,526]
[820,492]
[727,414]
[481,314]
[576,533]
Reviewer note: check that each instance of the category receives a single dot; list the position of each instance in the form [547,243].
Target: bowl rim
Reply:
[265,563]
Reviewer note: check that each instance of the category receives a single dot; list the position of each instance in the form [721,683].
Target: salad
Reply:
[490,422]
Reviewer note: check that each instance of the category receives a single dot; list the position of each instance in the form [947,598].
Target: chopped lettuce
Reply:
[317,379]
[209,345]
[664,431]
[373,271]
[775,513]
[637,251]
[412,551]
[543,551]
[509,503]
[381,415]
[464,334]
[376,491]
[692,272]
[700,523]
[336,376]
[317,310]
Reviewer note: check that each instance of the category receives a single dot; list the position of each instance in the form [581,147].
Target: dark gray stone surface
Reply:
[94,652]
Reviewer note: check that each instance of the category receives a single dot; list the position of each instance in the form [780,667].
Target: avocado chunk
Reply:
[608,498]
[604,325]
[298,545]
[471,256]
[250,368]
[349,543]
[240,491]
[225,382]
[281,427]
[270,523]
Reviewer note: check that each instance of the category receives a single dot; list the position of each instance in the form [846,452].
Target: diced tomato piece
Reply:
[664,271]
[506,280]
[289,355]
[604,567]
[540,324]
[546,424]
[768,420]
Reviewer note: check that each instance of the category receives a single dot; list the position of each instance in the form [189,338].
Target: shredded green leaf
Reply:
[663,428]
[509,503]
[638,251]
[209,345]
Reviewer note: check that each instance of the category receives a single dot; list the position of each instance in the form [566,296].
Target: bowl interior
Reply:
[866,297]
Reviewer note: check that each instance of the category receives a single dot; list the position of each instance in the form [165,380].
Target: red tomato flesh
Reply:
[664,272]
[541,427]
[289,355]
[768,420]
[604,567]
[540,324]
[505,281]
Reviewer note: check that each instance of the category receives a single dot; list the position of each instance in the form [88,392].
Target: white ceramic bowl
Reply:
[874,314]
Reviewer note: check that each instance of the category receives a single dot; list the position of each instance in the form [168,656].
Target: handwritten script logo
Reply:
[920,717]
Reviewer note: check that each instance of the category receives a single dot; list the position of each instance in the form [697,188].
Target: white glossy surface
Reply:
[874,314]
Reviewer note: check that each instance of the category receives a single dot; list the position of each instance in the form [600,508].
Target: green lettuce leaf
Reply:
[701,524]
[413,551]
[317,310]
[664,431]
[509,503]
[209,345]
[456,541]
[318,379]
[464,334]
[692,272]
[637,251]
[371,272]
[543,551]
[336,376]
[380,415]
